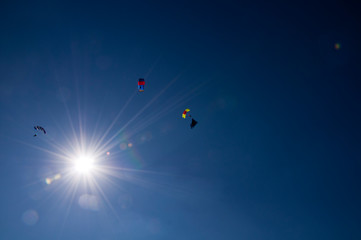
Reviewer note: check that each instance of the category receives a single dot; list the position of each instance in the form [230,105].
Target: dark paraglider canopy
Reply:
[193,123]
[38,128]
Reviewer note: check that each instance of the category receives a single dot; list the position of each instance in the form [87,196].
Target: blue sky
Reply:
[276,152]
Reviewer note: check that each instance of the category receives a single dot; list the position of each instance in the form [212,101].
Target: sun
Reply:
[84,164]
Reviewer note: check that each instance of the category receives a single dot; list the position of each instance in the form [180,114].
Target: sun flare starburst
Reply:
[90,165]
[84,164]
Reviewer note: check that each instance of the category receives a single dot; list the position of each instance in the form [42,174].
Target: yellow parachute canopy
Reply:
[184,115]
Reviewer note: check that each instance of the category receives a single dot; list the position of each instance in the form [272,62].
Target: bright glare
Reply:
[84,164]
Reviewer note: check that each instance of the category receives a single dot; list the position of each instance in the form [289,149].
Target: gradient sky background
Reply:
[276,153]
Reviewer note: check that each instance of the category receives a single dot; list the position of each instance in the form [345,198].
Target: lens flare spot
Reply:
[89,202]
[48,180]
[125,201]
[123,146]
[30,217]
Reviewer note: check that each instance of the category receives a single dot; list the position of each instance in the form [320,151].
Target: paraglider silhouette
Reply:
[141,84]
[39,128]
[193,123]
[184,115]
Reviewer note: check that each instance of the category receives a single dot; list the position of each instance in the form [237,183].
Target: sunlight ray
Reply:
[141,110]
